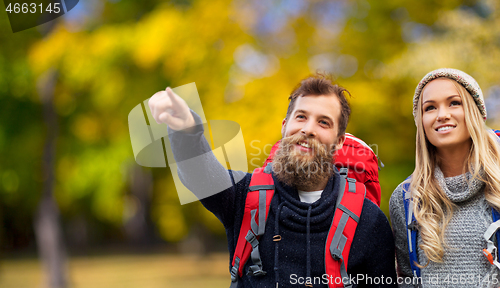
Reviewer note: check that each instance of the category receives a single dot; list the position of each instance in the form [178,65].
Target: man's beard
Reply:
[303,170]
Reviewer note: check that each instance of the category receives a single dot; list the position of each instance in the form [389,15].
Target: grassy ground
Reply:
[130,271]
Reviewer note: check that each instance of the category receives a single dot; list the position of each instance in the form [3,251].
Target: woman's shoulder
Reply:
[398,192]
[396,203]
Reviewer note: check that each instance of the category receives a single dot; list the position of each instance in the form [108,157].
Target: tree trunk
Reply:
[138,226]
[48,230]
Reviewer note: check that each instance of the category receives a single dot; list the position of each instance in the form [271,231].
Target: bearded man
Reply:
[306,188]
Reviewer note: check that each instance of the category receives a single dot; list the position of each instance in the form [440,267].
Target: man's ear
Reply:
[283,128]
[340,142]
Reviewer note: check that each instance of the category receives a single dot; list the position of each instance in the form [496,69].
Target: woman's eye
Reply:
[455,103]
[429,108]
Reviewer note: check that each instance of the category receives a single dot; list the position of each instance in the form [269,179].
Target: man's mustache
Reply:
[314,144]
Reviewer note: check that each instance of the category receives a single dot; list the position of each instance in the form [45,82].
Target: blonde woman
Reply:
[451,193]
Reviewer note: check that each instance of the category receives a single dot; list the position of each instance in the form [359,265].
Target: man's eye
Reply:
[323,122]
[301,117]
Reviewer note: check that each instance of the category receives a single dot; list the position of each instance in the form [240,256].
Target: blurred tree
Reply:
[47,222]
[24,149]
[21,139]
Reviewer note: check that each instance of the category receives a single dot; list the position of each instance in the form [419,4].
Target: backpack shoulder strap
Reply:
[257,203]
[341,233]
[496,216]
[411,227]
[491,236]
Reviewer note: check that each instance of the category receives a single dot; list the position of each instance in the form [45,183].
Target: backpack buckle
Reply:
[256,270]
[336,254]
[413,225]
[488,256]
[252,239]
[234,270]
[234,274]
[343,172]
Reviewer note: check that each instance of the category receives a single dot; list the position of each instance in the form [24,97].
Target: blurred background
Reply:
[75,208]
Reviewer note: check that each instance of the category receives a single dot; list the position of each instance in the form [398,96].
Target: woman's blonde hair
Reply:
[433,209]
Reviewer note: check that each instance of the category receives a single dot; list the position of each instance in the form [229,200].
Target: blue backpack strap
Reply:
[411,228]
[496,216]
[494,213]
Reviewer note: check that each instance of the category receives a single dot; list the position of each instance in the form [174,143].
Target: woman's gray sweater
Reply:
[464,264]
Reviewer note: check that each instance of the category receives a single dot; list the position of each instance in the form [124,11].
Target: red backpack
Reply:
[359,159]
[354,159]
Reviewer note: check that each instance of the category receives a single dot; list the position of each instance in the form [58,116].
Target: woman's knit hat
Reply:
[461,77]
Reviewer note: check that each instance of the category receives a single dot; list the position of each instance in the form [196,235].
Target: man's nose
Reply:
[308,129]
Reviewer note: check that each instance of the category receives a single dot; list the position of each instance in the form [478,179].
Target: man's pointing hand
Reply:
[167,107]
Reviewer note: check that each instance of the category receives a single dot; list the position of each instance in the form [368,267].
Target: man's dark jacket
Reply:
[303,227]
